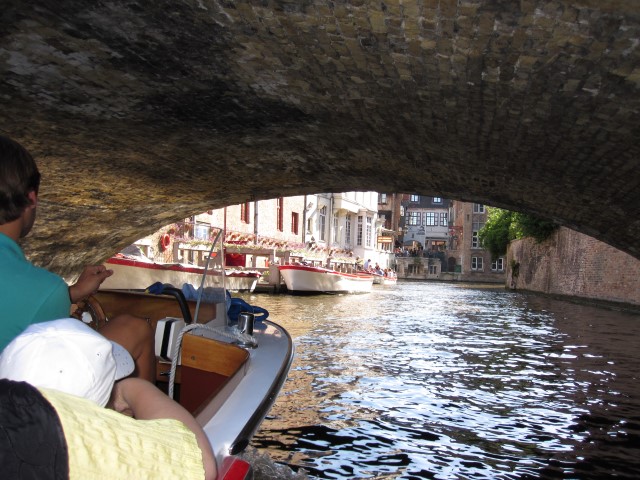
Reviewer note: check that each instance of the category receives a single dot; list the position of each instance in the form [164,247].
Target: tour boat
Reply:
[135,272]
[304,278]
[209,359]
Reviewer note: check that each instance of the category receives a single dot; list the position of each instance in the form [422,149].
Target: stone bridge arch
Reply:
[140,113]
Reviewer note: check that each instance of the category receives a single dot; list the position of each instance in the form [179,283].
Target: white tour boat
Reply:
[138,272]
[304,278]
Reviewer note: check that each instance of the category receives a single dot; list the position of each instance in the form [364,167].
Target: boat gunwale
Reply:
[244,437]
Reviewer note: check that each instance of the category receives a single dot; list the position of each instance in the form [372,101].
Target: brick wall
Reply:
[570,263]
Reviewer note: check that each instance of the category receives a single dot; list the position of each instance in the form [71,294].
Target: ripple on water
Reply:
[429,380]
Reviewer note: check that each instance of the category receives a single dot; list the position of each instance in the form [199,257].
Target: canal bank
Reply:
[574,265]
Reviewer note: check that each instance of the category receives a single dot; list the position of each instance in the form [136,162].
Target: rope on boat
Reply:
[233,334]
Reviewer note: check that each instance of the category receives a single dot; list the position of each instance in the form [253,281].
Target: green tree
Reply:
[532,226]
[503,226]
[496,233]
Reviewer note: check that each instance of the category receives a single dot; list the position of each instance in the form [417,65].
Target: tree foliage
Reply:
[528,225]
[496,233]
[503,226]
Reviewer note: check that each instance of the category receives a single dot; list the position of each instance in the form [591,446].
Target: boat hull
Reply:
[384,280]
[232,414]
[301,278]
[129,274]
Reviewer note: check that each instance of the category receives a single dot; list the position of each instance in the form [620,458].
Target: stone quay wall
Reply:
[572,264]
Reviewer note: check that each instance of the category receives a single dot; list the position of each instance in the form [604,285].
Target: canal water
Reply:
[451,381]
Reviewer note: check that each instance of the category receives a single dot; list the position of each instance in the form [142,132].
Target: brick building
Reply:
[466,259]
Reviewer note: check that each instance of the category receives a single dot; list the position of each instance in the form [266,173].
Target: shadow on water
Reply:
[428,380]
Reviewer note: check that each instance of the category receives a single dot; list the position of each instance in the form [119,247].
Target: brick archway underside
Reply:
[140,113]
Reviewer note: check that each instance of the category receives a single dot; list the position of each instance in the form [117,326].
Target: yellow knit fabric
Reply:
[106,445]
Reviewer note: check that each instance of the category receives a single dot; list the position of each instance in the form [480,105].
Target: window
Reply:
[384,221]
[430,219]
[383,198]
[189,227]
[476,263]
[475,239]
[498,265]
[444,221]
[347,230]
[322,222]
[245,212]
[438,245]
[295,222]
[280,214]
[335,230]
[413,218]
[478,208]
[202,231]
[437,200]
[414,198]
[402,210]
[369,232]
[359,232]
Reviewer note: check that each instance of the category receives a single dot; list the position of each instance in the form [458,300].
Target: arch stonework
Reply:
[140,113]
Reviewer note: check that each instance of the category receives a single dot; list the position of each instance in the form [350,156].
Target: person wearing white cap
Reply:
[66,355]
[66,359]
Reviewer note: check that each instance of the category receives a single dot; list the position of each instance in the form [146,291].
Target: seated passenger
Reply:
[29,294]
[65,360]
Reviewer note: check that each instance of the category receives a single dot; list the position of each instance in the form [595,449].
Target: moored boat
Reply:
[304,278]
[384,279]
[389,280]
[137,272]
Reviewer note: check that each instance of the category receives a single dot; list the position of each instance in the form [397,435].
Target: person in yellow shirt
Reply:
[142,433]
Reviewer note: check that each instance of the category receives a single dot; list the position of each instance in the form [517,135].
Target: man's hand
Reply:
[88,283]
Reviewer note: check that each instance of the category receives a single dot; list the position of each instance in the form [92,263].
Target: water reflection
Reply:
[429,380]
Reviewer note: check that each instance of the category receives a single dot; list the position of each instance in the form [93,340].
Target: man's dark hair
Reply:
[19,175]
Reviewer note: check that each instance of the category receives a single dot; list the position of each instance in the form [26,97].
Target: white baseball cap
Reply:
[66,355]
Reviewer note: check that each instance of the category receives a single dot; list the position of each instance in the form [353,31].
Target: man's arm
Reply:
[88,282]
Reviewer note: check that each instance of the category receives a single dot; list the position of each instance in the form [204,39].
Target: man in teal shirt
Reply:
[29,294]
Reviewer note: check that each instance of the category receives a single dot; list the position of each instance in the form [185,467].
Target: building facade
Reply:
[324,228]
[389,213]
[426,226]
[418,236]
[346,227]
[466,259]
[440,241]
